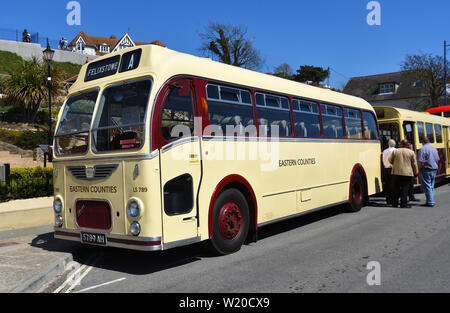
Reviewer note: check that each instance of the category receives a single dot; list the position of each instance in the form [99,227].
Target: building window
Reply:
[104,48]
[387,89]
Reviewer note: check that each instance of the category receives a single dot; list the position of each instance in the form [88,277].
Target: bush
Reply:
[28,183]
[12,114]
[10,136]
[31,140]
[27,140]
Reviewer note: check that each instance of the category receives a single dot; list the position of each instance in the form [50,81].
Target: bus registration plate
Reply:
[95,239]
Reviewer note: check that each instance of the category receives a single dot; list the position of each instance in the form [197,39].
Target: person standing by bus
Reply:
[412,197]
[404,167]
[428,159]
[388,188]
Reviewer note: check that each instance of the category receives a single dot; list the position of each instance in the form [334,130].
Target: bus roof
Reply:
[404,114]
[162,63]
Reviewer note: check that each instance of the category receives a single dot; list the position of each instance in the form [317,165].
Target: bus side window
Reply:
[177,118]
[353,123]
[430,133]
[421,131]
[306,119]
[438,132]
[333,125]
[230,112]
[370,126]
[274,116]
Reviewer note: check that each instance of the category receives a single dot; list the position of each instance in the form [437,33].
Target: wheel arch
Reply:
[240,183]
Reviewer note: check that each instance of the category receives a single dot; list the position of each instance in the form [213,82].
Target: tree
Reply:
[429,69]
[311,73]
[228,44]
[284,71]
[27,84]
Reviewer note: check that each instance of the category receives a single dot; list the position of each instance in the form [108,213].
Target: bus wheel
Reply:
[358,193]
[230,222]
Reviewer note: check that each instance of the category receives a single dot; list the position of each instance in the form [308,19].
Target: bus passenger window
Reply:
[231,113]
[333,125]
[274,116]
[438,132]
[370,126]
[421,131]
[429,130]
[353,123]
[177,119]
[306,118]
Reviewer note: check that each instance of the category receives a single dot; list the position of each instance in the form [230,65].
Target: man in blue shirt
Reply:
[428,159]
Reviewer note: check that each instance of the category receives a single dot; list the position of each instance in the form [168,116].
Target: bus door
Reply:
[408,133]
[180,164]
[447,147]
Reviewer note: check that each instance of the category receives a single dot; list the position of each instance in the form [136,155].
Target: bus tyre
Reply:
[230,222]
[357,193]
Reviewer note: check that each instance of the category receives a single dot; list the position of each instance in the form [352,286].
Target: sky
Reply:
[325,33]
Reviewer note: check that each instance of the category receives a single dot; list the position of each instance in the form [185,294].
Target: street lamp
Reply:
[445,70]
[48,56]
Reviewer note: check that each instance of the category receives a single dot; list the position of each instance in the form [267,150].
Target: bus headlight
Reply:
[57,205]
[135,229]
[59,221]
[133,208]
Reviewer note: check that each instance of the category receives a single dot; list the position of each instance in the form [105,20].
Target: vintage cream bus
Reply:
[156,149]
[399,124]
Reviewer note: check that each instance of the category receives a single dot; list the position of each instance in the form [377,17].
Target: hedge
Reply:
[28,183]
[27,140]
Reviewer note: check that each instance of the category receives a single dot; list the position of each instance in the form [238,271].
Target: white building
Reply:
[92,45]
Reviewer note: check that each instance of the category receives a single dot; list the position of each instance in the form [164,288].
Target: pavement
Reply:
[29,255]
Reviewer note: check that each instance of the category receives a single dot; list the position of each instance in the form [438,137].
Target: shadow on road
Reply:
[144,263]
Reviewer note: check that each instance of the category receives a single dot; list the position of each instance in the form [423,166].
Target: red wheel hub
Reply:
[230,221]
[357,192]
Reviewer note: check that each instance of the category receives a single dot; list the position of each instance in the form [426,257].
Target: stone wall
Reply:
[29,50]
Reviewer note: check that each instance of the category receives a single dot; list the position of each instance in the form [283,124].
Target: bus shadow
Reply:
[301,221]
[122,260]
[144,263]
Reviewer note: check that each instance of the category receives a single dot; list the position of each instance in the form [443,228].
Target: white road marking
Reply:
[101,285]
[78,281]
[69,279]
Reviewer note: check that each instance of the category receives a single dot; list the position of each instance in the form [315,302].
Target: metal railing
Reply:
[17,35]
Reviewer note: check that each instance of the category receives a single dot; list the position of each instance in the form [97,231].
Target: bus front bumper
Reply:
[117,241]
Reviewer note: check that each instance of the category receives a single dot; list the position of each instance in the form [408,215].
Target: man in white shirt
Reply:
[388,187]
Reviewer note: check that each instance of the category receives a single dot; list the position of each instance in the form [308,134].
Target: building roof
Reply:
[94,41]
[368,87]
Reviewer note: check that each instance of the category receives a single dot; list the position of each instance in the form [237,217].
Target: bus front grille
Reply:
[92,173]
[93,214]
